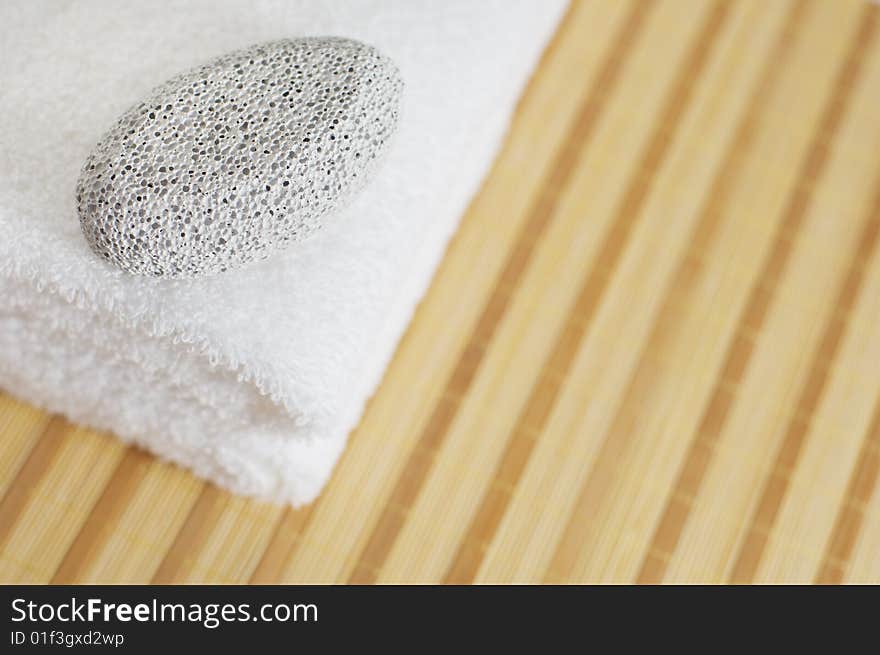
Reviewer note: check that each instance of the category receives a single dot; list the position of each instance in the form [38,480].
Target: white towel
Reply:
[253,378]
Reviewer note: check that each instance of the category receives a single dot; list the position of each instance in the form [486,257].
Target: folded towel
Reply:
[251,378]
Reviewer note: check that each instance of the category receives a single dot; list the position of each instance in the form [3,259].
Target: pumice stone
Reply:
[238,158]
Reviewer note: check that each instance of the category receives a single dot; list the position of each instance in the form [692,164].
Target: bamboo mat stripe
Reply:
[106,513]
[32,469]
[741,347]
[852,511]
[732,388]
[649,354]
[775,487]
[555,371]
[684,279]
[682,286]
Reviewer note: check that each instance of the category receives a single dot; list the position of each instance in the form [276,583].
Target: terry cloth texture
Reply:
[253,378]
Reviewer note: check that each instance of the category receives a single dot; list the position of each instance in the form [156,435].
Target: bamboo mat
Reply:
[652,352]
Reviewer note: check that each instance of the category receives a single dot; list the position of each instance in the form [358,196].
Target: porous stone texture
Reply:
[238,158]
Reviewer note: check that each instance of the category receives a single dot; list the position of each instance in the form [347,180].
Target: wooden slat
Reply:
[133,525]
[841,436]
[21,426]
[607,493]
[813,385]
[864,565]
[738,421]
[51,498]
[649,354]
